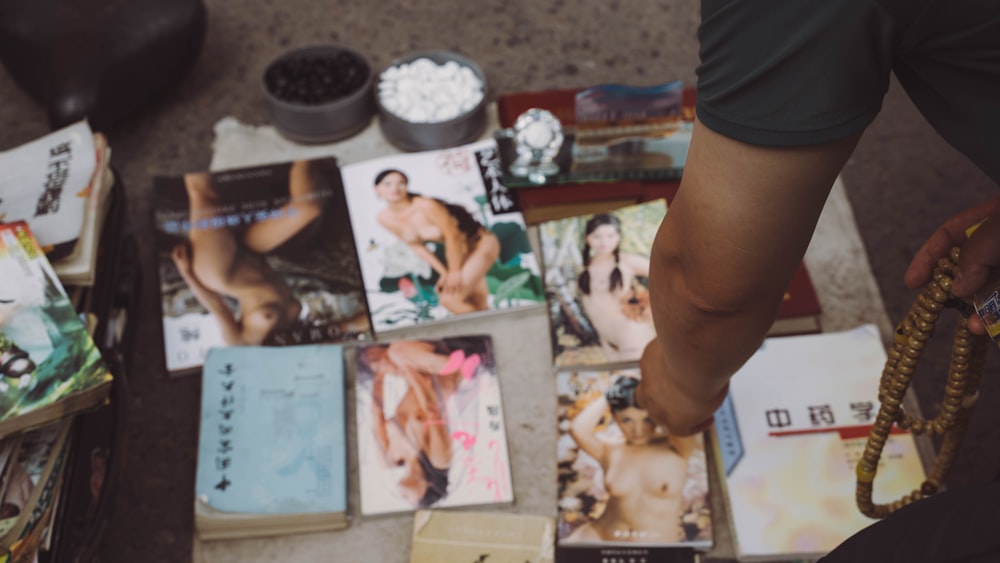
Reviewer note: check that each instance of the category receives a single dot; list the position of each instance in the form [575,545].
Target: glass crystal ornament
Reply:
[538,136]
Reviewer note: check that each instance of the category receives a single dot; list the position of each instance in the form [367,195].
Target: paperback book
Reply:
[272,453]
[31,494]
[260,255]
[623,482]
[442,536]
[79,267]
[430,424]
[596,281]
[45,182]
[431,245]
[789,438]
[50,367]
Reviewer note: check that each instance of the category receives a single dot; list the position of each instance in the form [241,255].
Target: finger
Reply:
[976,325]
[980,255]
[951,233]
[937,246]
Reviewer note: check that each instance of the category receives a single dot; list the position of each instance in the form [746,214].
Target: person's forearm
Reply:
[734,235]
[707,326]
[454,251]
[702,343]
[421,251]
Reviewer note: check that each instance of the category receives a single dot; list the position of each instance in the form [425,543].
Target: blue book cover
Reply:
[272,438]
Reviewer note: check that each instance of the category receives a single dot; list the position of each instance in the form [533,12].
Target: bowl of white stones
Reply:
[431,100]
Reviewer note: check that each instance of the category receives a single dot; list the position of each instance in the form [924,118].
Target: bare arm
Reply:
[683,445]
[417,354]
[378,418]
[302,207]
[455,248]
[721,262]
[583,429]
[639,265]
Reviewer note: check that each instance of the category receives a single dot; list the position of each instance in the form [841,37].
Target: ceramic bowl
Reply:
[409,134]
[319,93]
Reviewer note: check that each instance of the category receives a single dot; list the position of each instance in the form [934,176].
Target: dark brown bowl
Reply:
[319,93]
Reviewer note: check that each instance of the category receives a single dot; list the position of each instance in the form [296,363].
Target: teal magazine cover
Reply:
[272,438]
[49,363]
[431,245]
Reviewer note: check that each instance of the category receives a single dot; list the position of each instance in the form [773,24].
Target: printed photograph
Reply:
[622,478]
[596,271]
[256,256]
[430,425]
[430,246]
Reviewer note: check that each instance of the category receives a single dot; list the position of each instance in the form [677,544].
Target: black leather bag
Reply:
[99,59]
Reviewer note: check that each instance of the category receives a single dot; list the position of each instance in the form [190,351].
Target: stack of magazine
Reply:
[52,372]
[65,291]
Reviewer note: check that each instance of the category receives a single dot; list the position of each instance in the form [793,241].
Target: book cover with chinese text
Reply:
[430,424]
[437,236]
[623,481]
[272,441]
[790,435]
[50,366]
[260,255]
[45,182]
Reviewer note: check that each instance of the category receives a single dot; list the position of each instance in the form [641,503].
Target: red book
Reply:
[800,310]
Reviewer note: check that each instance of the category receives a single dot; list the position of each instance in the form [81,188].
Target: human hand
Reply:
[980,253]
[667,403]
[450,282]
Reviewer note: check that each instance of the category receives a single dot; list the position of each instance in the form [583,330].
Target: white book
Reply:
[790,435]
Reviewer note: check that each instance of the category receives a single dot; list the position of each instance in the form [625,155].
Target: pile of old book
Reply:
[59,227]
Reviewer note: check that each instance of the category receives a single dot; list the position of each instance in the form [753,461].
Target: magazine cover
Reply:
[596,276]
[622,479]
[50,365]
[429,243]
[430,425]
[260,255]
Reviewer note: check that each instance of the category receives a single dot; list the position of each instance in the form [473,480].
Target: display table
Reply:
[836,260]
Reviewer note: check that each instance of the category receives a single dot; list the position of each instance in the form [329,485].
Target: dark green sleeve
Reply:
[792,72]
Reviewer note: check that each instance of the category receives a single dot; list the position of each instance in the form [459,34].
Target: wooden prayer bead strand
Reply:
[968,356]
